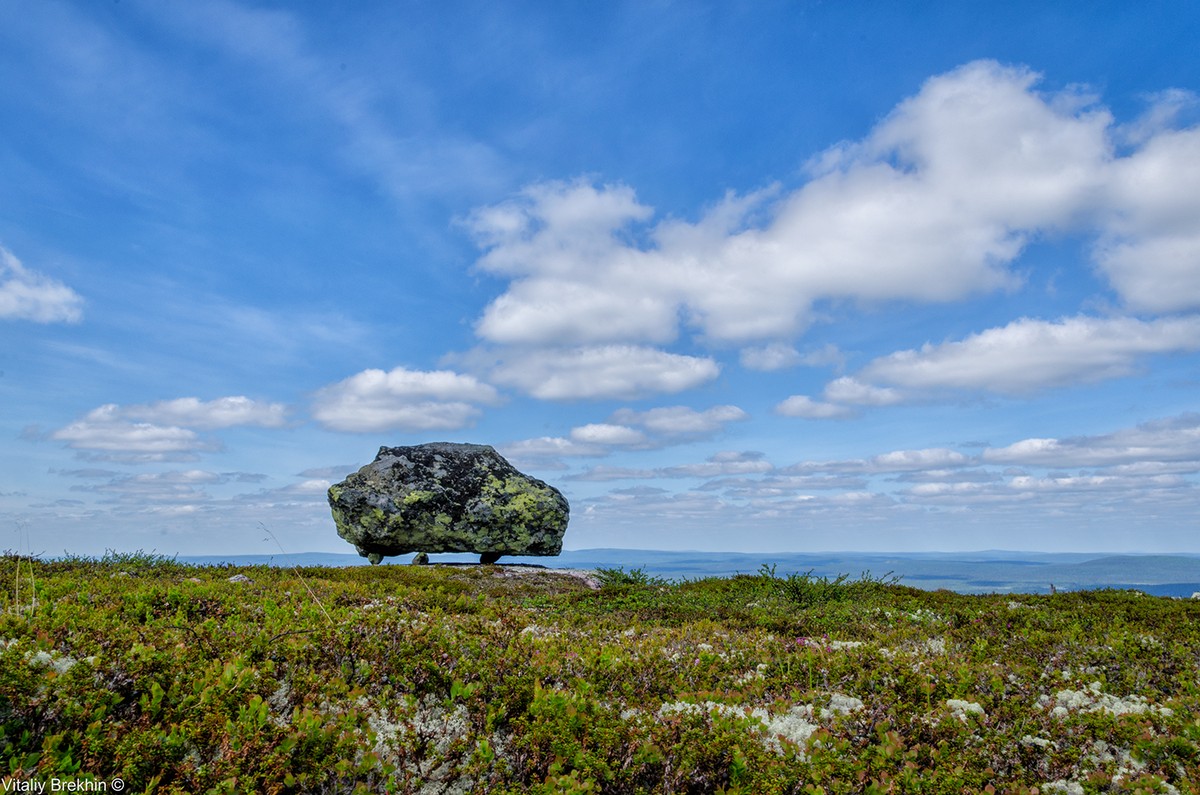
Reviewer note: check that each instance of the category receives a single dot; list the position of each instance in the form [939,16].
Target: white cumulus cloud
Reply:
[851,390]
[806,407]
[1028,355]
[107,430]
[602,433]
[1150,246]
[603,371]
[896,215]
[1173,439]
[773,356]
[374,400]
[222,412]
[164,430]
[917,460]
[780,355]
[675,421]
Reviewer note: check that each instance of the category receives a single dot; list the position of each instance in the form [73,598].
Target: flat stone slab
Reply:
[447,497]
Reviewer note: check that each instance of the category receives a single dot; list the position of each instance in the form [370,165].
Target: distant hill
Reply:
[990,571]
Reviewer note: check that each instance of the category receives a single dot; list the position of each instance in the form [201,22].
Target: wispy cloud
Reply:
[171,487]
[722,464]
[407,154]
[548,452]
[28,295]
[1128,471]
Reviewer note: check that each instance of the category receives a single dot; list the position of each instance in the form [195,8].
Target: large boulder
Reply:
[445,497]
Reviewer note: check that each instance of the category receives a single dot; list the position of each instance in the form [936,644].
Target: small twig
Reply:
[24,544]
[300,576]
[203,640]
[281,635]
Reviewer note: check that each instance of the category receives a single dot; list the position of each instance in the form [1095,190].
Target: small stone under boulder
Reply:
[447,497]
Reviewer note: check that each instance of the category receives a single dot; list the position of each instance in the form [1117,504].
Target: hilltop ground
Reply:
[174,678]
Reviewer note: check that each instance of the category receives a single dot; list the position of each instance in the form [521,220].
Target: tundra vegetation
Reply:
[439,679]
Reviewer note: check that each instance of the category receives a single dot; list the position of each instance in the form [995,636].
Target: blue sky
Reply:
[753,277]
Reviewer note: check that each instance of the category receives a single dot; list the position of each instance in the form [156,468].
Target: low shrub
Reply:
[471,679]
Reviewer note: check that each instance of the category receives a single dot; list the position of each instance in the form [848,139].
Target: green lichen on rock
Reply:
[445,497]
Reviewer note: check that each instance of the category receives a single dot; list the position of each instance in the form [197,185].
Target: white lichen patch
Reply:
[934,645]
[536,631]
[1092,699]
[794,726]
[841,704]
[280,703]
[1100,756]
[52,660]
[757,672]
[427,740]
[840,645]
[961,709]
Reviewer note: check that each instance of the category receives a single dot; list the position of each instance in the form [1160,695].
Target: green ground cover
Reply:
[438,679]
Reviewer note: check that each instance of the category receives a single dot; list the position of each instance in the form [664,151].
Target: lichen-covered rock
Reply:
[445,497]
